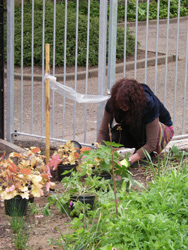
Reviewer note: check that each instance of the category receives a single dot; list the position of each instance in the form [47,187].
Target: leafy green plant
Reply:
[61,201]
[100,158]
[33,209]
[87,233]
[152,219]
[177,154]
[142,10]
[60,26]
[75,185]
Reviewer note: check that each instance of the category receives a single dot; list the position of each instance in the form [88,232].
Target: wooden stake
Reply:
[113,175]
[47,104]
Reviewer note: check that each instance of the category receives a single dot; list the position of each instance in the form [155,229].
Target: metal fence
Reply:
[165,71]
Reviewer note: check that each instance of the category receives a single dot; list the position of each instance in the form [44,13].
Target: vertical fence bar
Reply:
[87,65]
[176,72]
[32,64]
[47,104]
[112,43]
[2,69]
[136,40]
[157,39]
[65,59]
[102,57]
[54,44]
[146,47]
[185,85]
[22,22]
[10,71]
[43,38]
[166,61]
[125,41]
[76,66]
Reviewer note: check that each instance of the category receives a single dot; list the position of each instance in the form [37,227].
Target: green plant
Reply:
[33,209]
[20,239]
[61,201]
[19,228]
[87,233]
[76,185]
[60,26]
[152,219]
[176,154]
[73,187]
[166,163]
[16,223]
[101,159]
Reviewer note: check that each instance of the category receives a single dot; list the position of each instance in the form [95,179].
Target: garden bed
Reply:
[42,228]
[148,207]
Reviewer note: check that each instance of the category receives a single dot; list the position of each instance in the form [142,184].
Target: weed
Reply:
[33,209]
[20,239]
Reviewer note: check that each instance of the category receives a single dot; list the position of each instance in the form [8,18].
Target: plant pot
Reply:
[31,199]
[62,168]
[85,199]
[77,145]
[16,206]
[106,176]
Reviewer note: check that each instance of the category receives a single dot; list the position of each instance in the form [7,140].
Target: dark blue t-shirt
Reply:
[153,109]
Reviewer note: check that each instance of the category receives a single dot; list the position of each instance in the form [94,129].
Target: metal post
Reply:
[1,70]
[10,71]
[102,58]
[47,104]
[112,43]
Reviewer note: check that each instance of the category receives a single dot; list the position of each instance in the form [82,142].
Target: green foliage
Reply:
[142,10]
[152,219]
[20,239]
[19,228]
[33,209]
[86,237]
[59,36]
[16,223]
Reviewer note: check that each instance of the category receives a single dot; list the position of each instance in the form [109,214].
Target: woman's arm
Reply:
[152,130]
[103,130]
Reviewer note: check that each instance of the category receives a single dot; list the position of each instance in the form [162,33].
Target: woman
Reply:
[142,120]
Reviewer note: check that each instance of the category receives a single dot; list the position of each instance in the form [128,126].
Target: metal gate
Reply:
[164,44]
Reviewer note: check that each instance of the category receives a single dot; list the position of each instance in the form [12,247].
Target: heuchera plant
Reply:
[65,154]
[23,174]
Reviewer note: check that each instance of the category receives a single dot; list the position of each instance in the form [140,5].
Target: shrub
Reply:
[71,34]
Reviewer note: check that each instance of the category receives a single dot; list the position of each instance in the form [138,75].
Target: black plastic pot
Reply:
[16,206]
[77,145]
[31,199]
[62,168]
[85,199]
[106,176]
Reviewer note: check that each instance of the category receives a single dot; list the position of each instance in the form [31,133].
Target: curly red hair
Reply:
[127,93]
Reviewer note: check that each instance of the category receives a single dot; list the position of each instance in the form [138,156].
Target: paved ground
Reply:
[154,75]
